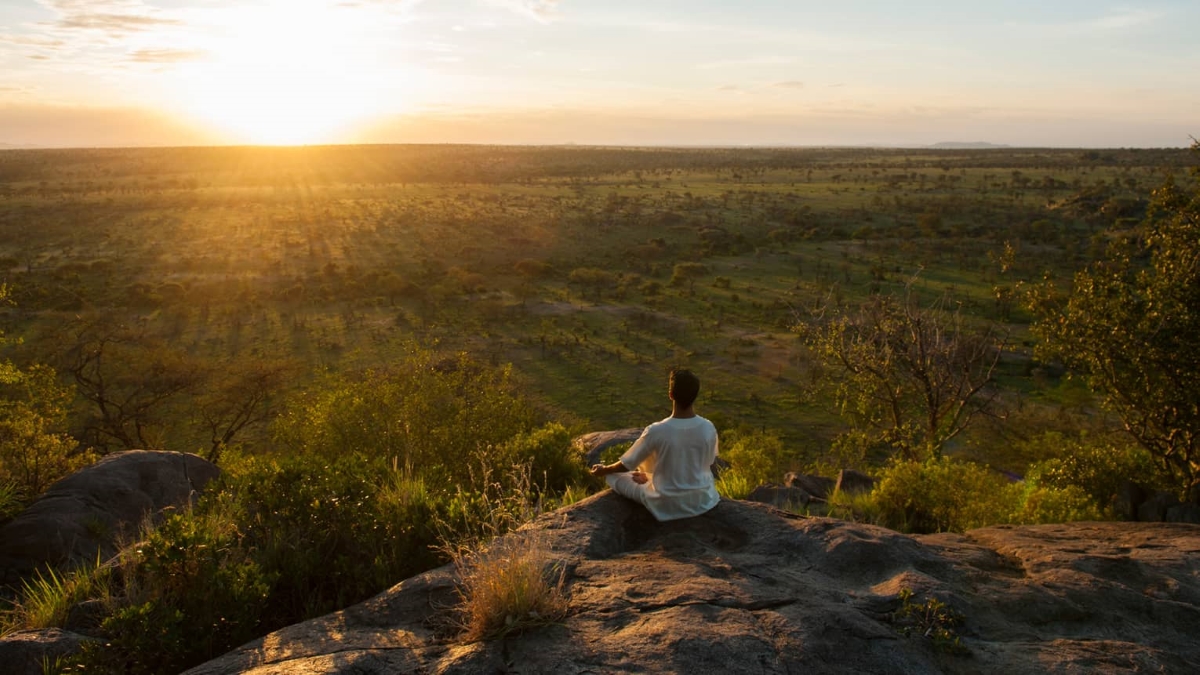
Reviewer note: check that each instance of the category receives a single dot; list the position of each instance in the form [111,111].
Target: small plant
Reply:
[734,485]
[511,585]
[46,600]
[10,500]
[932,619]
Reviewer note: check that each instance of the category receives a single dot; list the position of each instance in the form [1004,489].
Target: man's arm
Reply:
[602,470]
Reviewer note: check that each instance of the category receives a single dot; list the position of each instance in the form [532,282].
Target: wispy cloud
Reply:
[743,63]
[31,41]
[789,84]
[1112,22]
[114,18]
[166,55]
[1123,19]
[543,11]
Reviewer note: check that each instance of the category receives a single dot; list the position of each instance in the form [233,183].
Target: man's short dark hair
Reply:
[685,387]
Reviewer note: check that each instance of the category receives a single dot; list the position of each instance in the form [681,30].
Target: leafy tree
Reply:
[1131,324]
[34,451]
[912,378]
[237,397]
[687,273]
[128,378]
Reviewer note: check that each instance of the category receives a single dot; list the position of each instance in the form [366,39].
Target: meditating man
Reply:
[669,468]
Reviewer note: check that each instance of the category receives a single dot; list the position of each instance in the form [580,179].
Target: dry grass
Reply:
[510,585]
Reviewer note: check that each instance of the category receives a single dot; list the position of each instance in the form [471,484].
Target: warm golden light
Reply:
[284,73]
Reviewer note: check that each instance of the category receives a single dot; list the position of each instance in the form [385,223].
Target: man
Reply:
[669,469]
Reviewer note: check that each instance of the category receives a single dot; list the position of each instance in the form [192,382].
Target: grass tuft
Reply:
[46,600]
[509,586]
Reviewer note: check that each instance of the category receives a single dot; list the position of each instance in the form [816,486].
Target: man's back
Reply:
[677,455]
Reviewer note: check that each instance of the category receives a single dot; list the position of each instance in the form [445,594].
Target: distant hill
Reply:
[966,145]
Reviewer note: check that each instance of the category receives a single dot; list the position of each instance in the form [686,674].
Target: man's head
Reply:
[684,387]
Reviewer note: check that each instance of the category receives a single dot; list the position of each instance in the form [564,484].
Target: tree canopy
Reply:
[1132,325]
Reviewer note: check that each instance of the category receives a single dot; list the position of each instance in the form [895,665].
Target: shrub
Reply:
[276,543]
[1097,468]
[754,459]
[931,619]
[946,495]
[1036,504]
[940,495]
[436,415]
[553,461]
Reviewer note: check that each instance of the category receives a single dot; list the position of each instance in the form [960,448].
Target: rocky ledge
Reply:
[749,589]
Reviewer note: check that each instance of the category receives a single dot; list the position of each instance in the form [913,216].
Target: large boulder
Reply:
[817,486]
[780,496]
[594,444]
[85,514]
[850,481]
[745,588]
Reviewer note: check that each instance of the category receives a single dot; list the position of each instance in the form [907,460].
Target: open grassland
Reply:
[591,270]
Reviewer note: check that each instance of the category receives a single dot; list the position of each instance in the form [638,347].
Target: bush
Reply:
[553,461]
[754,459]
[945,495]
[438,416]
[1096,468]
[274,544]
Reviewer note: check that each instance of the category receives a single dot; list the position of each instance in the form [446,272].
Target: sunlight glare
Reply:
[284,73]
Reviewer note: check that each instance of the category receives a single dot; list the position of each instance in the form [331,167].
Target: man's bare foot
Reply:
[639,477]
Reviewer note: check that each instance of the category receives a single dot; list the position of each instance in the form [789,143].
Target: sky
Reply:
[86,73]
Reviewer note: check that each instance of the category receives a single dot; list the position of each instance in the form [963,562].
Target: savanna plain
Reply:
[388,349]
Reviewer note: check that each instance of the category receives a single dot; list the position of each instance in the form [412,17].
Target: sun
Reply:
[284,73]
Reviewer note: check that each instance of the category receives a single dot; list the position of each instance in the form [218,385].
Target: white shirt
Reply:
[677,454]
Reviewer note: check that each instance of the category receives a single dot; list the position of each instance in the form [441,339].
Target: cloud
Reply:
[743,63]
[114,18]
[1112,22]
[166,55]
[1123,20]
[543,11]
[790,84]
[31,41]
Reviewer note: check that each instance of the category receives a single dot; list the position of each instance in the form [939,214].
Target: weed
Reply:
[932,619]
[46,600]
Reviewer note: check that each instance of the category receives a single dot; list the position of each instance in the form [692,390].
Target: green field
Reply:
[560,261]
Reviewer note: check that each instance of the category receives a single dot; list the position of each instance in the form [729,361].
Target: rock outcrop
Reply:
[28,652]
[749,589]
[86,513]
[593,445]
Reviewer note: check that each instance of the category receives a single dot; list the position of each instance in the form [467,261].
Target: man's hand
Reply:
[597,471]
[640,477]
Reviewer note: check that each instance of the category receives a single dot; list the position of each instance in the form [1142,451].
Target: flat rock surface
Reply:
[88,511]
[749,589]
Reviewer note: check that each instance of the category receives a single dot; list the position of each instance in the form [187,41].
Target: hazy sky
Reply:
[153,72]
